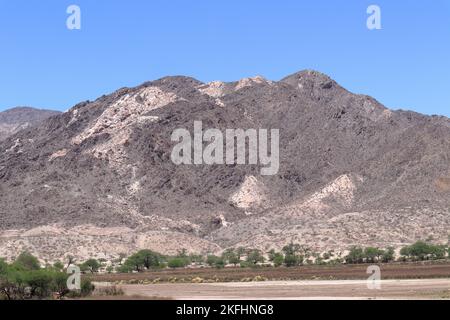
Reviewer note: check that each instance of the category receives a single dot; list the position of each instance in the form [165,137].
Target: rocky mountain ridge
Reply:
[98,180]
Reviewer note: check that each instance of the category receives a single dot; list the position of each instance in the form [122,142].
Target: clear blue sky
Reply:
[124,43]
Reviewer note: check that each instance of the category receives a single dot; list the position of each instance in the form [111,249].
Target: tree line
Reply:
[26,279]
[290,255]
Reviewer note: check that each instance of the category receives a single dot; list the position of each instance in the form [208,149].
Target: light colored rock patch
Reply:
[387,114]
[128,110]
[147,119]
[218,89]
[118,119]
[247,82]
[215,89]
[58,154]
[250,194]
[220,103]
[134,187]
[16,147]
[342,189]
[75,116]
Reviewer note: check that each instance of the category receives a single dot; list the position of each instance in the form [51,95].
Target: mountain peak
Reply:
[18,118]
[310,78]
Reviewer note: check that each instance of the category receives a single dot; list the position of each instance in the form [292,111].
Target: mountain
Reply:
[98,180]
[16,119]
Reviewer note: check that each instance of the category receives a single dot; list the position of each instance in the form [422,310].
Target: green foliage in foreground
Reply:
[24,279]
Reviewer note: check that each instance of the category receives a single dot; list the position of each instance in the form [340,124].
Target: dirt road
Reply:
[338,289]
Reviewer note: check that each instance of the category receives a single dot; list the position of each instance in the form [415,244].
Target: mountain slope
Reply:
[99,177]
[16,119]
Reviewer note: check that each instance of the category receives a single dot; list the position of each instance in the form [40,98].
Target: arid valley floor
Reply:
[399,281]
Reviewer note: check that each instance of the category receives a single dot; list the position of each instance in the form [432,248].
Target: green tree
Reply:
[144,259]
[196,258]
[27,261]
[39,283]
[421,250]
[388,255]
[150,259]
[292,255]
[211,260]
[372,254]
[91,265]
[356,255]
[254,257]
[231,257]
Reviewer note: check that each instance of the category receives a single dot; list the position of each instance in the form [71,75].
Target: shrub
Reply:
[291,260]
[177,263]
[278,259]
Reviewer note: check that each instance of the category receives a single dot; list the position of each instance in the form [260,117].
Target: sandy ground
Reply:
[297,290]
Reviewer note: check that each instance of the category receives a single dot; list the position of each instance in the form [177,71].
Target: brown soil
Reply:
[341,272]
